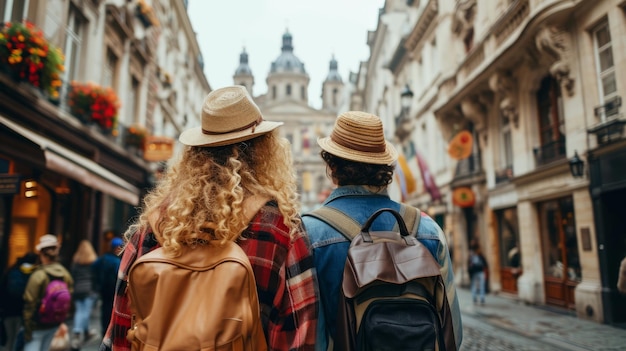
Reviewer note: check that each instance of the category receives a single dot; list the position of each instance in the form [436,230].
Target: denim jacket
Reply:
[330,250]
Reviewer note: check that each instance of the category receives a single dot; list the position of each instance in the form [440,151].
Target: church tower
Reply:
[287,79]
[243,73]
[332,89]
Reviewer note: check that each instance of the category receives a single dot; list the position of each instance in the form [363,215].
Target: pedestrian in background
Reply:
[361,163]
[12,296]
[234,156]
[621,279]
[38,336]
[105,271]
[84,294]
[477,265]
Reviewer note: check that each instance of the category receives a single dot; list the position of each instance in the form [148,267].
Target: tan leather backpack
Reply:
[205,299]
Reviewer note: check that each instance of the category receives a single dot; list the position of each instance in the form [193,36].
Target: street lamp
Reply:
[576,165]
[406,99]
[403,122]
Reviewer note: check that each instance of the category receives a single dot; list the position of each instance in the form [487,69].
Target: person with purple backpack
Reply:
[47,296]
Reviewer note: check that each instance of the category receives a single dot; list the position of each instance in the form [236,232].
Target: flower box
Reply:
[135,136]
[145,13]
[25,55]
[92,103]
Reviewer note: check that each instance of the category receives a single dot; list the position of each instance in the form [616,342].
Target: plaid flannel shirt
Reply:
[285,277]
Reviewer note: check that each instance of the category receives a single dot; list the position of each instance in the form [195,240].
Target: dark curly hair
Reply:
[347,172]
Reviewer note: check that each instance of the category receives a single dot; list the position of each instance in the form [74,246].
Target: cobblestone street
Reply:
[505,324]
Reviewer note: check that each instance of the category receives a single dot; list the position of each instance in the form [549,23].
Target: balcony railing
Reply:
[468,167]
[611,127]
[504,175]
[549,152]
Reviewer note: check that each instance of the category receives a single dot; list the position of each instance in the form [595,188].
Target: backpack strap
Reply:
[252,205]
[346,225]
[411,216]
[335,218]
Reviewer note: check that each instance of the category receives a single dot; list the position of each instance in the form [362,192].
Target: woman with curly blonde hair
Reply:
[233,168]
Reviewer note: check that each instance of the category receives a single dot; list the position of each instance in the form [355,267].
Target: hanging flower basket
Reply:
[92,103]
[145,13]
[25,55]
[135,136]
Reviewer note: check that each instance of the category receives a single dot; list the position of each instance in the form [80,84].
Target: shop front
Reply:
[562,266]
[607,171]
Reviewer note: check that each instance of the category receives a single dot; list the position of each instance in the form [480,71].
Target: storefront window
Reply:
[561,258]
[510,255]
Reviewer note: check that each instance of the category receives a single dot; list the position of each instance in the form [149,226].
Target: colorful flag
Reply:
[405,177]
[427,177]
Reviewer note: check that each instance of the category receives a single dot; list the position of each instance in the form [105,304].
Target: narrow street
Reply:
[505,324]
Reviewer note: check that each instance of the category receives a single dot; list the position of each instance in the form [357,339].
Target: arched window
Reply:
[551,122]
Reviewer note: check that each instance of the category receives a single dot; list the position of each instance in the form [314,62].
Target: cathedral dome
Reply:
[287,61]
[243,68]
[333,73]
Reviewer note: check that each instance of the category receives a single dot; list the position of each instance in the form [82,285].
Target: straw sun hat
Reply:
[358,136]
[228,116]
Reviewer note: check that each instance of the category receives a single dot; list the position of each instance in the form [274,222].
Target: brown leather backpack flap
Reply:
[209,304]
[389,259]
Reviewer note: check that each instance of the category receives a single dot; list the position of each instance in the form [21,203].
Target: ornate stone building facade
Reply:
[287,101]
[538,86]
[65,172]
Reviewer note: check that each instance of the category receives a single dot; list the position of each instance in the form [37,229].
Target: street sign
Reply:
[9,184]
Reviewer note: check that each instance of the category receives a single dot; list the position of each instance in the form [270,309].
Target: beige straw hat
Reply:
[358,136]
[229,115]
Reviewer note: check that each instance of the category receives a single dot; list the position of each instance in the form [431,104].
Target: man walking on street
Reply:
[361,163]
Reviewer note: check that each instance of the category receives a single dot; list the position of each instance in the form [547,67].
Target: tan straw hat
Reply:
[46,241]
[358,136]
[228,116]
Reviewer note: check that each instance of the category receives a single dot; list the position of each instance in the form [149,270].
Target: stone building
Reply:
[537,86]
[287,101]
[66,172]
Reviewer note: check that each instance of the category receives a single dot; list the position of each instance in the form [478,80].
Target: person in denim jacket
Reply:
[361,163]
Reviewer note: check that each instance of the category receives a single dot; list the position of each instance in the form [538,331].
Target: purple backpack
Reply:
[56,302]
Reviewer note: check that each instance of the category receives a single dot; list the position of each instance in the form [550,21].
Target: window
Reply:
[288,89]
[302,93]
[133,95]
[605,66]
[110,70]
[273,92]
[506,151]
[508,231]
[334,98]
[13,10]
[558,227]
[551,122]
[73,43]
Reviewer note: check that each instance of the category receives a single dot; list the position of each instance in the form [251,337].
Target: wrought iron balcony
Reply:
[468,167]
[504,175]
[612,126]
[549,152]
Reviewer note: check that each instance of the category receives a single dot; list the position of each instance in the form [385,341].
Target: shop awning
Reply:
[72,165]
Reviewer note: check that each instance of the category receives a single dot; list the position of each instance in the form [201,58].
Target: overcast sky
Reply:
[320,29]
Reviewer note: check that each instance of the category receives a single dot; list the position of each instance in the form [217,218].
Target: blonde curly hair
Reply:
[201,196]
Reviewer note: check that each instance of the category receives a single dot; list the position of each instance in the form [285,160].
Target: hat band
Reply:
[363,148]
[251,125]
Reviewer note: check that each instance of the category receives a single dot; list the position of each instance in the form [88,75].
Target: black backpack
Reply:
[392,295]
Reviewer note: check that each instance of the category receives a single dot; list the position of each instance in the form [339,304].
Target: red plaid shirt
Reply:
[285,278]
